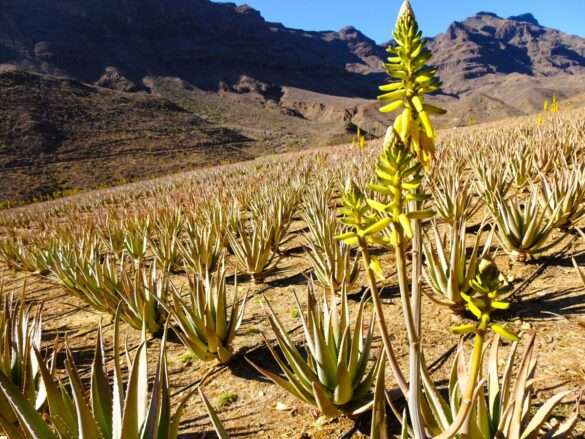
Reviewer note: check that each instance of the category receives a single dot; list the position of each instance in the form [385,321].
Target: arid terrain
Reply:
[211,225]
[547,297]
[221,84]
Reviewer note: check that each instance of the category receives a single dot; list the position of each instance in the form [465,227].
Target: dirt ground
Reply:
[549,300]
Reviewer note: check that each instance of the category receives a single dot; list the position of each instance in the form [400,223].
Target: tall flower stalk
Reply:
[396,205]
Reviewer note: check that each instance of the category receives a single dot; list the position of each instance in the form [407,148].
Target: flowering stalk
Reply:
[489,287]
[365,227]
[413,137]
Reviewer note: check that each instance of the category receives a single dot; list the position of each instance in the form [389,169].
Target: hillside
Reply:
[94,238]
[192,82]
[44,120]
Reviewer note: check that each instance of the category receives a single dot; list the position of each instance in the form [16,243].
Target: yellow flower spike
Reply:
[475,310]
[377,227]
[406,226]
[414,79]
[391,107]
[407,125]
[390,87]
[345,236]
[377,206]
[377,268]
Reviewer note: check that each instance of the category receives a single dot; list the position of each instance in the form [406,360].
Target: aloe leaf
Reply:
[532,429]
[217,425]
[101,395]
[86,423]
[323,401]
[33,424]
[379,428]
[157,419]
[65,422]
[133,413]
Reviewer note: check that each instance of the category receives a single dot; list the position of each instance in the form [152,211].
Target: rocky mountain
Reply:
[486,45]
[184,83]
[118,43]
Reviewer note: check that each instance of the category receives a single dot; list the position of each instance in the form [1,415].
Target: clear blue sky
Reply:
[376,17]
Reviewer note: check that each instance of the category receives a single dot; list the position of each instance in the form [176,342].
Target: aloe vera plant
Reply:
[143,293]
[137,233]
[276,206]
[524,226]
[123,409]
[112,234]
[104,284]
[453,198]
[489,294]
[80,271]
[334,376]
[166,247]
[449,269]
[20,335]
[563,194]
[202,250]
[252,242]
[393,214]
[31,256]
[491,179]
[204,324]
[333,263]
[504,404]
[520,166]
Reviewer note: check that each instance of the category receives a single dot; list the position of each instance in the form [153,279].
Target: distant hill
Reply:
[61,134]
[163,85]
[486,45]
[112,42]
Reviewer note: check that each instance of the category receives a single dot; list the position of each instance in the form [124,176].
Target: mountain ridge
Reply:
[222,66]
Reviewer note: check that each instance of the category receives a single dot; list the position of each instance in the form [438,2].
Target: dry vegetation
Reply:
[279,287]
[269,223]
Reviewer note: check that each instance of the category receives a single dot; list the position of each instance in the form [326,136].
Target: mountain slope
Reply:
[60,134]
[486,45]
[201,42]
[161,85]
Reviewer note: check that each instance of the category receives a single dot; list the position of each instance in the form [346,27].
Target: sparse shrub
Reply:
[225,399]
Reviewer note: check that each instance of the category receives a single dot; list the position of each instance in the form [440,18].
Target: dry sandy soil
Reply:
[548,300]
